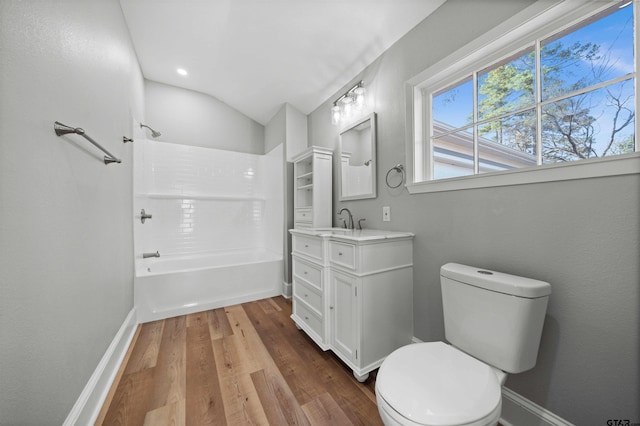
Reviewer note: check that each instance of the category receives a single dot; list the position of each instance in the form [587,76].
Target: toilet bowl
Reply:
[493,324]
[435,384]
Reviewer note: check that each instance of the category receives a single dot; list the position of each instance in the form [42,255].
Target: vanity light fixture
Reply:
[352,100]
[335,114]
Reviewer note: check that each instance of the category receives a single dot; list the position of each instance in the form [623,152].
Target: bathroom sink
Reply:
[370,234]
[332,231]
[341,231]
[355,234]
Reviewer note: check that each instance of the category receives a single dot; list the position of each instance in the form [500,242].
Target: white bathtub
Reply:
[170,286]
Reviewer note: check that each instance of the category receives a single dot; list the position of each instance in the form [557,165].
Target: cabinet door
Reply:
[343,312]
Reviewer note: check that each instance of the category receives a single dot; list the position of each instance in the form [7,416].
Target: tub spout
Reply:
[146,255]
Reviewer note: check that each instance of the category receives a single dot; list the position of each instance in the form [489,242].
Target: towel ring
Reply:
[398,168]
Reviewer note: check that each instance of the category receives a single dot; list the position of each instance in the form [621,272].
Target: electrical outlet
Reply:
[386,214]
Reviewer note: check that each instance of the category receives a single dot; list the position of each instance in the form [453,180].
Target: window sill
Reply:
[626,164]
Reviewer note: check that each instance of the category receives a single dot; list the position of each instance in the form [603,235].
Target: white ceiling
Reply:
[255,55]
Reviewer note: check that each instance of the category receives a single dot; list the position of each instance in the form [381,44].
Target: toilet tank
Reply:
[493,316]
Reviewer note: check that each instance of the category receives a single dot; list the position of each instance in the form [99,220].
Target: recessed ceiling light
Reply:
[181,71]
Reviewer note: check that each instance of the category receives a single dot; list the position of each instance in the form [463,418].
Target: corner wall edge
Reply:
[89,403]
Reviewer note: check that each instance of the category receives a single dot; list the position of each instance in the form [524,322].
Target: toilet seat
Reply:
[436,384]
[390,417]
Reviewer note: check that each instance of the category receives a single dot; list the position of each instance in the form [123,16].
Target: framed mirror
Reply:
[357,171]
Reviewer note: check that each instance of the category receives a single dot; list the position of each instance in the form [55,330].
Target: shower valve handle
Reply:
[144,216]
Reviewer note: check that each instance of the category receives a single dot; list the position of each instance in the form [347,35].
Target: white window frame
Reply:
[537,21]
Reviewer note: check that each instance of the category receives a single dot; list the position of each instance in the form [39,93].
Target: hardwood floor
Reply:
[240,365]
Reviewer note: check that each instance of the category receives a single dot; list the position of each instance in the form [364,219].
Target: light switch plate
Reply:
[386,214]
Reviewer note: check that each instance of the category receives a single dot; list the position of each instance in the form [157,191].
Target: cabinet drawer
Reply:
[308,294]
[305,315]
[309,246]
[342,254]
[308,272]
[303,215]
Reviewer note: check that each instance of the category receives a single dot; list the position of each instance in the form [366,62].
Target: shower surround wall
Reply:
[217,224]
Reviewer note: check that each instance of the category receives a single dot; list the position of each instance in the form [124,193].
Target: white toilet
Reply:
[493,322]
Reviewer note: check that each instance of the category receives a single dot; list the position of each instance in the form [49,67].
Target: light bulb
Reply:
[348,109]
[359,92]
[335,115]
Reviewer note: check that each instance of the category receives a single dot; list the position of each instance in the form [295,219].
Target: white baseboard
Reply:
[519,411]
[87,408]
[286,290]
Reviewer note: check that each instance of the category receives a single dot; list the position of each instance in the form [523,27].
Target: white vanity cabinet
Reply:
[310,293]
[313,188]
[361,306]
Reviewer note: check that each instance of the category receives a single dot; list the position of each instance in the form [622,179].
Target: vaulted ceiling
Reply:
[255,55]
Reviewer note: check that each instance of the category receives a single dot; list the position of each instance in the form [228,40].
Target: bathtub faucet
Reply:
[146,255]
[144,216]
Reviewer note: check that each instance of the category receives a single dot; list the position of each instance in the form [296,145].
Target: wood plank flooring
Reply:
[240,365]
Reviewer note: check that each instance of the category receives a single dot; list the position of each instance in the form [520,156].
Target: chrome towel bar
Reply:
[63,129]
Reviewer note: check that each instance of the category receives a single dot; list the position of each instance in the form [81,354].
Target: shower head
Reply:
[154,133]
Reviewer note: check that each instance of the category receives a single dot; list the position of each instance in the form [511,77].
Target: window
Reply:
[556,90]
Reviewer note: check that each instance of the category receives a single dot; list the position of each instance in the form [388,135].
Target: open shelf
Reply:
[305,175]
[312,187]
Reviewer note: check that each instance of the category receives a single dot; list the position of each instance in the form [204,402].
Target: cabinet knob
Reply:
[339,253]
[307,318]
[305,272]
[330,307]
[306,246]
[306,295]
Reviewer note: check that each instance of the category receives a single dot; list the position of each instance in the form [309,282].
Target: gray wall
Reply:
[287,126]
[66,256]
[275,132]
[581,236]
[192,118]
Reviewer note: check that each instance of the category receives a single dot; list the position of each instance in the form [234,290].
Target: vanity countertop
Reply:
[352,234]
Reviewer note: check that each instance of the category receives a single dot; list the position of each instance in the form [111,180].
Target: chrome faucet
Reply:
[350,223]
[144,216]
[146,255]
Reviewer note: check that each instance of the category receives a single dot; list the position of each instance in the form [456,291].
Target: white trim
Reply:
[414,339]
[87,407]
[286,290]
[627,164]
[534,22]
[519,411]
[537,20]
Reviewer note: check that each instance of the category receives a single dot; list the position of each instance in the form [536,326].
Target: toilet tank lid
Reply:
[496,281]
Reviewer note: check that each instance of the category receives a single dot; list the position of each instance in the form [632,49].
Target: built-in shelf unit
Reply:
[313,188]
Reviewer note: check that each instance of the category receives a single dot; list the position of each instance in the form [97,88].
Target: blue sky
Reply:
[614,36]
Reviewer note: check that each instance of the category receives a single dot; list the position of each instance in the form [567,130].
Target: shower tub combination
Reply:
[216,222]
[183,285]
